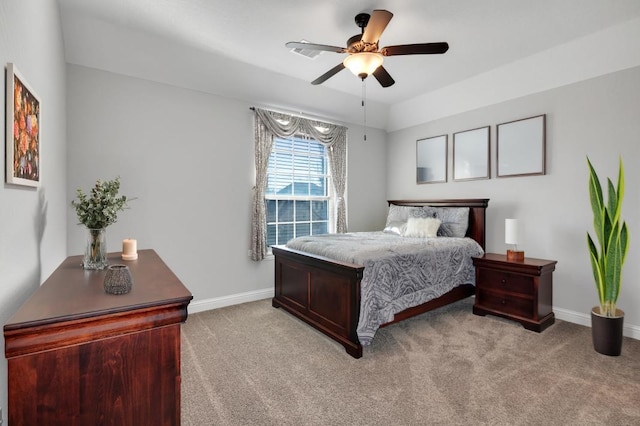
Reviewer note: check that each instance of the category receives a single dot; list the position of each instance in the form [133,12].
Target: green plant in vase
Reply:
[97,210]
[607,258]
[613,237]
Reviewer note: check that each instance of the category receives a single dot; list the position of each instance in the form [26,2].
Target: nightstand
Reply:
[518,290]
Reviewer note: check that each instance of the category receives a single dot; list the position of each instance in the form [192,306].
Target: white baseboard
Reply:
[580,318]
[234,299]
[632,331]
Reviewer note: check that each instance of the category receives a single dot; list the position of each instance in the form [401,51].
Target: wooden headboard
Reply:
[477,213]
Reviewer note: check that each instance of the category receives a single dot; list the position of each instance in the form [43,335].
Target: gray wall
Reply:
[33,222]
[596,118]
[187,157]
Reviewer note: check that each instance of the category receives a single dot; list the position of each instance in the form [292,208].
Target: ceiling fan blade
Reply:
[313,46]
[377,23]
[415,49]
[333,71]
[383,77]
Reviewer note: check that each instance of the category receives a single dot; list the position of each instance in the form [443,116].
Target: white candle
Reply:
[129,247]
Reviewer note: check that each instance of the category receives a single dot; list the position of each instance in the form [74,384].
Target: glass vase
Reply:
[95,253]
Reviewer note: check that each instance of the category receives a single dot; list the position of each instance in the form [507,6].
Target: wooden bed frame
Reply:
[325,293]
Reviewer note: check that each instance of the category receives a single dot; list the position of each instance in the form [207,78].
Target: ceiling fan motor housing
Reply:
[355,44]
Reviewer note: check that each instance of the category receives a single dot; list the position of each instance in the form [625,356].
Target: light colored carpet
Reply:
[252,364]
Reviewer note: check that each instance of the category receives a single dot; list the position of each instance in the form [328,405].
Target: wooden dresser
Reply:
[79,356]
[517,290]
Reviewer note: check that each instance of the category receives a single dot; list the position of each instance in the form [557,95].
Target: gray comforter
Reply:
[400,272]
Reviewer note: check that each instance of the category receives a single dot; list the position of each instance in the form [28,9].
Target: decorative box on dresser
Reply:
[79,356]
[518,290]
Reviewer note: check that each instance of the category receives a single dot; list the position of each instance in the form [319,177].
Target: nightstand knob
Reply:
[504,282]
[504,302]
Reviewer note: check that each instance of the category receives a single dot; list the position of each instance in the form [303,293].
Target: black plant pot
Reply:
[607,332]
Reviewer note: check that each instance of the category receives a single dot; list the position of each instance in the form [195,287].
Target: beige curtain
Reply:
[269,124]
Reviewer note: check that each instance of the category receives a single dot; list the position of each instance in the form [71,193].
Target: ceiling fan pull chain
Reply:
[364,106]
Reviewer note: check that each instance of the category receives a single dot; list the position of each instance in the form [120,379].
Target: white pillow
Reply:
[423,227]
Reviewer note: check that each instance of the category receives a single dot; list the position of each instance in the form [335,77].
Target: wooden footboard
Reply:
[325,293]
[322,292]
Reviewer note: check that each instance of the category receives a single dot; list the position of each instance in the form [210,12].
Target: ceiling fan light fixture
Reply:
[363,64]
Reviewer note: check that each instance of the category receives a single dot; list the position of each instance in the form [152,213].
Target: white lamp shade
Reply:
[511,231]
[363,64]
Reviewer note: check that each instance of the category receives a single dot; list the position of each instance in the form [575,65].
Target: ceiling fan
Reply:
[364,56]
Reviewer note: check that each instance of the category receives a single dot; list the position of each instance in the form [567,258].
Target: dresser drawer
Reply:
[504,303]
[504,281]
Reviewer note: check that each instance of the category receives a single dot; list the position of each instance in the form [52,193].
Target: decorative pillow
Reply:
[455,221]
[423,227]
[398,213]
[397,228]
[398,216]
[423,212]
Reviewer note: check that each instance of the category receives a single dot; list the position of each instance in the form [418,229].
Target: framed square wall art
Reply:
[431,160]
[521,147]
[23,131]
[471,154]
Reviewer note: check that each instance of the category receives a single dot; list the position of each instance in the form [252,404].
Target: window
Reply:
[298,195]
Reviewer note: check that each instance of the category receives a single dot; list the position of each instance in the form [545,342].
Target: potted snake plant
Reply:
[607,259]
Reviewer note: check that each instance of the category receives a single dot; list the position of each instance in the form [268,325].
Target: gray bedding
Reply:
[400,272]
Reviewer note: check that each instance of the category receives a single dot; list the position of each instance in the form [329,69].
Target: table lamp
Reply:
[511,237]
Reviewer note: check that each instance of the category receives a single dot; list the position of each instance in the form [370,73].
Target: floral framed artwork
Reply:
[431,160]
[471,154]
[23,131]
[521,147]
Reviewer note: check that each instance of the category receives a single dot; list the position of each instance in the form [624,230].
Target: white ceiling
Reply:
[206,45]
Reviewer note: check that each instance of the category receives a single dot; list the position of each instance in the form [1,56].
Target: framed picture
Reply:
[471,154]
[23,131]
[431,160]
[521,147]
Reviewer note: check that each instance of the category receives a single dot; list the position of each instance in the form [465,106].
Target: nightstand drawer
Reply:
[490,279]
[505,303]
